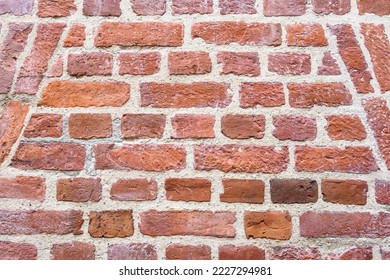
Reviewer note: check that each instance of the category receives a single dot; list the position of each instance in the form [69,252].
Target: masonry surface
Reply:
[194,129]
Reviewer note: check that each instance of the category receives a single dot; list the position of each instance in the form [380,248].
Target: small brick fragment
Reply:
[79,189]
[306,35]
[242,191]
[134,190]
[329,66]
[294,127]
[90,64]
[358,253]
[377,7]
[382,192]
[350,192]
[271,225]
[261,93]
[149,7]
[132,251]
[189,63]
[142,126]
[289,63]
[294,253]
[345,127]
[237,6]
[17,8]
[56,8]
[109,224]
[249,252]
[192,7]
[284,7]
[73,251]
[192,126]
[243,126]
[194,189]
[135,63]
[239,63]
[326,7]
[102,8]
[385,254]
[88,126]
[76,36]
[56,69]
[188,252]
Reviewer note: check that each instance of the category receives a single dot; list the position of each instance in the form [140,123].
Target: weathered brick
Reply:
[76,36]
[270,224]
[44,125]
[188,189]
[326,7]
[249,252]
[102,8]
[198,223]
[85,94]
[109,224]
[239,158]
[344,191]
[329,65]
[294,253]
[73,251]
[90,64]
[294,127]
[243,126]
[237,6]
[127,34]
[192,6]
[358,253]
[40,222]
[56,8]
[261,93]
[79,189]
[307,95]
[49,156]
[142,126]
[385,254]
[334,159]
[17,8]
[11,124]
[243,33]
[180,95]
[56,69]
[134,190]
[353,57]
[345,127]
[140,157]
[378,7]
[242,191]
[88,126]
[289,63]
[132,251]
[17,251]
[284,7]
[344,224]
[22,187]
[149,7]
[382,192]
[139,63]
[188,252]
[306,35]
[239,63]
[187,63]
[290,191]
[192,126]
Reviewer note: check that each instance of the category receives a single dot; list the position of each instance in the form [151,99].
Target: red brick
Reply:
[73,251]
[56,8]
[13,45]
[261,93]
[17,251]
[289,63]
[385,254]
[56,69]
[306,35]
[378,115]
[294,253]
[132,251]
[188,252]
[188,222]
[243,126]
[180,95]
[294,127]
[350,192]
[353,57]
[358,253]
[186,189]
[139,63]
[22,187]
[329,65]
[49,156]
[109,224]
[134,190]
[243,33]
[90,64]
[270,224]
[284,7]
[187,63]
[249,252]
[378,45]
[17,8]
[102,8]
[140,157]
[382,192]
[239,63]
[192,126]
[149,7]
[334,159]
[11,125]
[192,6]
[40,222]
[291,191]
[142,126]
[76,36]
[238,158]
[88,126]
[85,94]
[79,189]
[378,7]
[343,224]
[36,63]
[237,6]
[127,34]
[326,7]
[345,127]
[242,191]
[44,125]
[307,95]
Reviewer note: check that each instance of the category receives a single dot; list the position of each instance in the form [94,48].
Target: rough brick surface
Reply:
[359,253]
[193,189]
[142,126]
[139,63]
[188,252]
[79,189]
[23,187]
[102,7]
[88,126]
[237,6]
[250,252]
[382,192]
[17,251]
[89,64]
[44,125]
[17,8]
[243,126]
[294,253]
[109,224]
[293,191]
[192,6]
[134,190]
[377,7]
[271,225]
[295,128]
[76,36]
[284,7]
[344,191]
[344,127]
[186,63]
[192,126]
[261,94]
[73,251]
[133,251]
[329,66]
[325,7]
[289,63]
[305,35]
[243,63]
[56,8]
[242,191]
[149,7]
